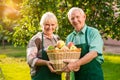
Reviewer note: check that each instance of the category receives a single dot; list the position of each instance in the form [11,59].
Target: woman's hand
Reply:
[41,62]
[71,66]
[49,64]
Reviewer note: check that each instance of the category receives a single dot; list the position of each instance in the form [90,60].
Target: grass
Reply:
[12,51]
[13,64]
[111,67]
[14,67]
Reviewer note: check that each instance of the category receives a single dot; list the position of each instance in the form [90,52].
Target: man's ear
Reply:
[84,16]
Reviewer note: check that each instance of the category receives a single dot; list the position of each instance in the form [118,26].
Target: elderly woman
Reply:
[41,68]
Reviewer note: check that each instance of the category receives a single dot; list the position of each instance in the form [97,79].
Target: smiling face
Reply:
[77,19]
[48,23]
[49,26]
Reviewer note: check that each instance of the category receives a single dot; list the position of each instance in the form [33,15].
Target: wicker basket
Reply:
[58,56]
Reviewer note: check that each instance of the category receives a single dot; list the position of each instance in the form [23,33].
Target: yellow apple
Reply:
[64,48]
[60,44]
[73,47]
[56,48]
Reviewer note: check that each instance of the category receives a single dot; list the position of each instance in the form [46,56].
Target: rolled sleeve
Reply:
[96,42]
[32,56]
[97,45]
[33,62]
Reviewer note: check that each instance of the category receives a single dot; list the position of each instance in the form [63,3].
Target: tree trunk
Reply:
[3,43]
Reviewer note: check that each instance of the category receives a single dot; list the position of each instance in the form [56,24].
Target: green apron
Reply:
[91,70]
[43,72]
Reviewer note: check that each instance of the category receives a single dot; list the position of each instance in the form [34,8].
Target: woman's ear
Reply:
[42,27]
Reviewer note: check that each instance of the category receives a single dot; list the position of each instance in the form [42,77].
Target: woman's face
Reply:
[49,27]
[77,20]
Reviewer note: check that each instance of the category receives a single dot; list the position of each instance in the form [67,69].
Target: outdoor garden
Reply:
[19,21]
[13,64]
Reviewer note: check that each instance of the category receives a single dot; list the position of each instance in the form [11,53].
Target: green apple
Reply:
[51,47]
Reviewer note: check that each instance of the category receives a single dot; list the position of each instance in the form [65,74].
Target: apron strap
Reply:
[86,35]
[42,43]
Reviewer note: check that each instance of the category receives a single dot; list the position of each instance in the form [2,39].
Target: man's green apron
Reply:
[90,71]
[43,73]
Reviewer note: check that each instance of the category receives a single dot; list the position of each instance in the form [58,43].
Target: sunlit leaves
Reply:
[100,14]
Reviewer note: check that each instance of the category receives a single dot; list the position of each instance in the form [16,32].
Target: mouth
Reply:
[76,24]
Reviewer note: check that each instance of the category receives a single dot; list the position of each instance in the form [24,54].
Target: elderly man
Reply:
[88,67]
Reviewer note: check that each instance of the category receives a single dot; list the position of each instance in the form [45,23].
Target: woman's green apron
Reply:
[43,73]
[90,71]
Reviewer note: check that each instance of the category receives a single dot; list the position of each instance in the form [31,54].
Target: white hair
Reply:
[48,16]
[74,9]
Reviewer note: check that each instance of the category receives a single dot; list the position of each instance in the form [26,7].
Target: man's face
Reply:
[77,20]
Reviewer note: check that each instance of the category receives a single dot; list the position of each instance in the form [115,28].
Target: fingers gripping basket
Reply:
[58,56]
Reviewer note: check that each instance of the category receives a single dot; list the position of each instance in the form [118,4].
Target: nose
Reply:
[75,20]
[50,26]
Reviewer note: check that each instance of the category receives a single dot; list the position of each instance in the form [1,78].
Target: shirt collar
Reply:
[81,31]
[52,36]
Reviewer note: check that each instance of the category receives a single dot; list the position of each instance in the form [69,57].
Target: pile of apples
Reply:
[61,46]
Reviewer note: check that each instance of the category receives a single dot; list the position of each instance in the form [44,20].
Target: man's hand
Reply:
[71,66]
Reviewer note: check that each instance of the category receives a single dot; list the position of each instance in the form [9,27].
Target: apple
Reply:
[50,47]
[60,44]
[73,47]
[64,48]
[70,44]
[56,48]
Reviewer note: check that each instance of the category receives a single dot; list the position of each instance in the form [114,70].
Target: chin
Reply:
[50,32]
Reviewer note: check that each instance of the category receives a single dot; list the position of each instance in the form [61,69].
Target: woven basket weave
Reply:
[58,56]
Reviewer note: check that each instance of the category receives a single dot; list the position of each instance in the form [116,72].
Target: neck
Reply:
[48,35]
[79,29]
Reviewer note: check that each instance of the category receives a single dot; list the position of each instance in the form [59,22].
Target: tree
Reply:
[8,19]
[100,14]
[3,36]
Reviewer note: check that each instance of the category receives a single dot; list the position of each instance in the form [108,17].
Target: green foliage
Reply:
[3,33]
[100,14]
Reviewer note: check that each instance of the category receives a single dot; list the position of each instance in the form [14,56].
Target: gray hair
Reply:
[48,16]
[74,9]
